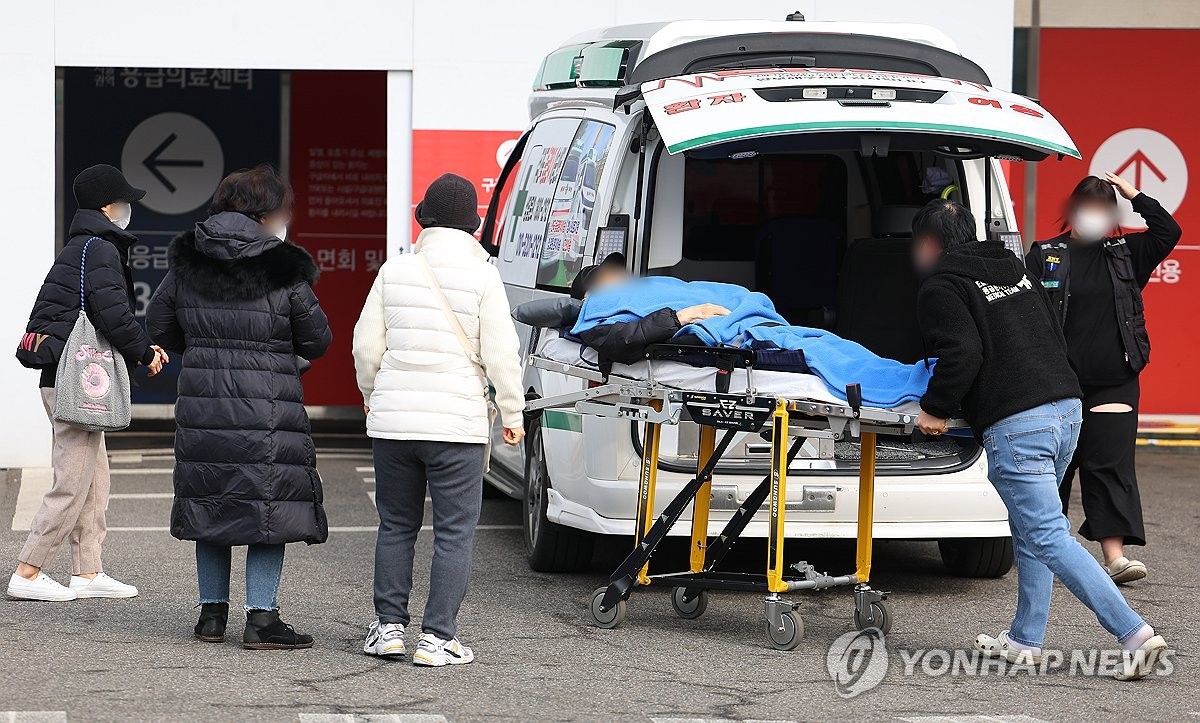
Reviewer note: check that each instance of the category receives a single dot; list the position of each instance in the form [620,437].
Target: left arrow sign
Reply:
[153,163]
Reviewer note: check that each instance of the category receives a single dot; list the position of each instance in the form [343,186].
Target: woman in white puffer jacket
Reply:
[427,411]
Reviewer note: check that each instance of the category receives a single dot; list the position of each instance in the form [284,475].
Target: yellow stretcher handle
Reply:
[866,506]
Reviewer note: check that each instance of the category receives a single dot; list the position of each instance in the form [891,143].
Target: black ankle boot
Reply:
[265,631]
[213,617]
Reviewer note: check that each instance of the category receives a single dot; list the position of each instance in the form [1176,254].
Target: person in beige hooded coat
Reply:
[435,329]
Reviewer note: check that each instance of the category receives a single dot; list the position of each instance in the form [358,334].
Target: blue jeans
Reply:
[264,567]
[1028,454]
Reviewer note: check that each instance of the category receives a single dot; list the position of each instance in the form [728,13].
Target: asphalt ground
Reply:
[539,658]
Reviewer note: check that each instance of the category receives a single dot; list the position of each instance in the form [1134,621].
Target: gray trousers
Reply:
[454,473]
[74,507]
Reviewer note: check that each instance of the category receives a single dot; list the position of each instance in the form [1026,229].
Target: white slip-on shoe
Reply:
[42,587]
[1123,570]
[999,647]
[102,586]
[434,652]
[1136,664]
[385,640]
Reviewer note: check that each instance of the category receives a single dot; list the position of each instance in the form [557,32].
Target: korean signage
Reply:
[175,132]
[1138,125]
[338,167]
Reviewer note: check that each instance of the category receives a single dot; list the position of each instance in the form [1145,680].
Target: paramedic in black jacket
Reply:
[74,507]
[1094,281]
[1002,361]
[625,342]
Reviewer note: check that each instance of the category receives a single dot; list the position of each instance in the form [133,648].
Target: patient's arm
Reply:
[625,342]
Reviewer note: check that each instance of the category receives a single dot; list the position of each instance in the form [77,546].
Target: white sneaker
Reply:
[999,647]
[435,652]
[101,586]
[42,587]
[385,640]
[1136,664]
[1123,570]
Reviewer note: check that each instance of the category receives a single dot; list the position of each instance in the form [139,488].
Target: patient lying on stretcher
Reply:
[622,315]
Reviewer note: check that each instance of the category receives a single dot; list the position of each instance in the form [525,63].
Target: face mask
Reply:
[124,214]
[1091,226]
[281,234]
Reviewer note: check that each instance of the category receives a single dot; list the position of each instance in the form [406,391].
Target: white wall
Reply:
[478,75]
[291,35]
[27,147]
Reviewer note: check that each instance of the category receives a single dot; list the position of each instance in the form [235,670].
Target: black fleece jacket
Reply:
[1000,350]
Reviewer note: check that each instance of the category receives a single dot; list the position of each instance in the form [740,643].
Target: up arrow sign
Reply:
[1138,161]
[154,164]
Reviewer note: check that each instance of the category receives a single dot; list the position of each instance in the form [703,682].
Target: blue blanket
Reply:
[753,322]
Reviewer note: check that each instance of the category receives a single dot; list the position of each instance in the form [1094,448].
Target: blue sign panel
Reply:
[175,132]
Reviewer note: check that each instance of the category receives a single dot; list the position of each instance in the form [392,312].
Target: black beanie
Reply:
[450,201]
[100,185]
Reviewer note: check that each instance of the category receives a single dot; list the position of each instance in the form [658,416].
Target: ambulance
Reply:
[788,157]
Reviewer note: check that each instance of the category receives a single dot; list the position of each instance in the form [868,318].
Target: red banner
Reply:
[476,155]
[1134,117]
[339,171]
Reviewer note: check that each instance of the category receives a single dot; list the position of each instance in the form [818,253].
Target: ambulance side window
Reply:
[572,208]
[521,227]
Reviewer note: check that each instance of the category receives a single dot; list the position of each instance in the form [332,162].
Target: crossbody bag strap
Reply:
[451,317]
[82,269]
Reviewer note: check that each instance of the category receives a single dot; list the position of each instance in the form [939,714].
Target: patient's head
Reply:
[606,273]
[940,226]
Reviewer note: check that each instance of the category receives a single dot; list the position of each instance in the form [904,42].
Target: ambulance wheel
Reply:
[690,609]
[610,618]
[881,611]
[549,547]
[790,635]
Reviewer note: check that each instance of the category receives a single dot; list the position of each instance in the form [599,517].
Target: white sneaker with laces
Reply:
[101,586]
[1000,647]
[435,652]
[385,640]
[42,587]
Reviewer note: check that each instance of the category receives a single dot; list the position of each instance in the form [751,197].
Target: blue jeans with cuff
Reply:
[1028,454]
[264,567]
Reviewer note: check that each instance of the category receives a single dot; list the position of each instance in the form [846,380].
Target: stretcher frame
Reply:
[655,405]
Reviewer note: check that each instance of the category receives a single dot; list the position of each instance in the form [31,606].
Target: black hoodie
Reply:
[999,349]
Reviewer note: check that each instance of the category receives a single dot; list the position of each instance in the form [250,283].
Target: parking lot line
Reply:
[140,470]
[141,495]
[33,716]
[35,483]
[950,718]
[371,718]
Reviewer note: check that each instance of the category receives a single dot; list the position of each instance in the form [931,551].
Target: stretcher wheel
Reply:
[610,618]
[690,609]
[881,611]
[790,635]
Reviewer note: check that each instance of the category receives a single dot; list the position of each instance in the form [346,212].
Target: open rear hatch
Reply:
[864,109]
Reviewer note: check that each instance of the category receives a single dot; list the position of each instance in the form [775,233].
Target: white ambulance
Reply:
[787,157]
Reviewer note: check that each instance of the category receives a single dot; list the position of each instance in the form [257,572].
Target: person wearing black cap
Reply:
[435,330]
[75,505]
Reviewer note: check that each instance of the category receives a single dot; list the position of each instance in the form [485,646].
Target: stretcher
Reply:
[722,414]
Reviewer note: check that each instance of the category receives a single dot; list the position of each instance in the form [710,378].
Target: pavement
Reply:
[538,656]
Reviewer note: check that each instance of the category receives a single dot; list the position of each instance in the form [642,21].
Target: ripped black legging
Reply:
[1104,457]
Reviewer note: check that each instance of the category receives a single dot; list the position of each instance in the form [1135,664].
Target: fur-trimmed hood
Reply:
[230,256]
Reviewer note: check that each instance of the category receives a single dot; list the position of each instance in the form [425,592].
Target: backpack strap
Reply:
[82,269]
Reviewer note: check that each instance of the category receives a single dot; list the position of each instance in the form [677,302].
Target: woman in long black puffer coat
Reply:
[238,305]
